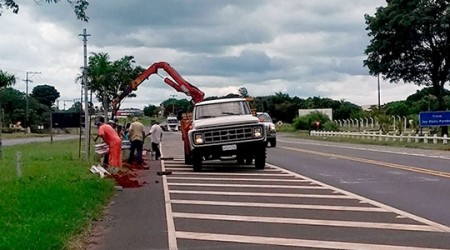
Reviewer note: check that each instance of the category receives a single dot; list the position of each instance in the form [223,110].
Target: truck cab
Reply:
[225,128]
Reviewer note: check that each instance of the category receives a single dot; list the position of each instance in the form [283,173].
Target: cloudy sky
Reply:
[303,48]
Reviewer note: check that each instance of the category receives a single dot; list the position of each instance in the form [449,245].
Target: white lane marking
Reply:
[370,149]
[230,174]
[172,239]
[234,179]
[244,185]
[277,205]
[298,221]
[263,240]
[250,194]
[179,169]
[441,227]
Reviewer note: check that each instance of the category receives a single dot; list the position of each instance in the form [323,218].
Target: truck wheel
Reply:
[248,160]
[260,158]
[187,155]
[187,158]
[240,159]
[197,162]
[273,143]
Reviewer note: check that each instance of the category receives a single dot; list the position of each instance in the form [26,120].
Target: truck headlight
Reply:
[198,139]
[257,132]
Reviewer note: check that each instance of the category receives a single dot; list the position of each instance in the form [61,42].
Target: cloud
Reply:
[303,48]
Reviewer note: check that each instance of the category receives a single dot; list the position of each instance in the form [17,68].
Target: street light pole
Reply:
[27,80]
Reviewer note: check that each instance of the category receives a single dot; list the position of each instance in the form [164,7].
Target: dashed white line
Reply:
[298,221]
[277,205]
[245,186]
[263,240]
[250,194]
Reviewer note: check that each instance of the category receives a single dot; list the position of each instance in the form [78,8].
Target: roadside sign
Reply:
[434,118]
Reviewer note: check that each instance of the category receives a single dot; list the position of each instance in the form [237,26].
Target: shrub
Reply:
[306,122]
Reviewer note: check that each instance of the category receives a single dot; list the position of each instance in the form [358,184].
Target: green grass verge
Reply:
[55,199]
[305,135]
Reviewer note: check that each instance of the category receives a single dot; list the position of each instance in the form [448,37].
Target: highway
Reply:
[311,194]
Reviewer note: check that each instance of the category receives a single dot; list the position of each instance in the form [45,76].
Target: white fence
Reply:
[413,138]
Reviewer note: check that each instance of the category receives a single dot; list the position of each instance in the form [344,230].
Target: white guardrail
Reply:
[413,138]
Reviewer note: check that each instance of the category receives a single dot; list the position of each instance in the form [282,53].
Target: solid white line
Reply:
[296,221]
[276,205]
[250,194]
[234,179]
[231,173]
[172,239]
[263,240]
[245,186]
[441,227]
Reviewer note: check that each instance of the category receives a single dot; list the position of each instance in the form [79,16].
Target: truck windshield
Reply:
[221,109]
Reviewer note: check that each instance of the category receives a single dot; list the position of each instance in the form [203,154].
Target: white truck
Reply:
[172,123]
[224,129]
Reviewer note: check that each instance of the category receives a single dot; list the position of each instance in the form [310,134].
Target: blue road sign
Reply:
[434,118]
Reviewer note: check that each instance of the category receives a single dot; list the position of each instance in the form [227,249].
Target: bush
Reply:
[306,122]
[8,130]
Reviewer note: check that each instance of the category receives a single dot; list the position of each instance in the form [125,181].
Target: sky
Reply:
[302,48]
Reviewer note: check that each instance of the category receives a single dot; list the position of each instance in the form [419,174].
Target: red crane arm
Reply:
[178,83]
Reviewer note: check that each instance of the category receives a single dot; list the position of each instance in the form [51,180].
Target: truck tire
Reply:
[240,159]
[187,158]
[273,143]
[197,162]
[260,157]
[187,155]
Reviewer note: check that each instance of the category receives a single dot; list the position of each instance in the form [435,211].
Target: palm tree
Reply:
[6,79]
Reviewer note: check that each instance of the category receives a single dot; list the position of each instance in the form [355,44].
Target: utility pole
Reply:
[379,103]
[85,88]
[27,80]
[173,104]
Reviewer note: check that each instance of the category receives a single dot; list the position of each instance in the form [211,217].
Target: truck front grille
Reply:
[228,135]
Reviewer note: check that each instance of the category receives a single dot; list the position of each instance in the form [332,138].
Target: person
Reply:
[110,137]
[136,135]
[156,138]
[120,132]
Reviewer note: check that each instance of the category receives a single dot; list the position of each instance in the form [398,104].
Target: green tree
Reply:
[6,79]
[150,110]
[107,79]
[410,41]
[45,94]
[79,7]
[13,103]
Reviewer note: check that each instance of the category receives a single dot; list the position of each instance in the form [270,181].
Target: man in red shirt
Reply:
[110,137]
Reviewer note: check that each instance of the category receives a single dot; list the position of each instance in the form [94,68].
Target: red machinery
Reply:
[178,83]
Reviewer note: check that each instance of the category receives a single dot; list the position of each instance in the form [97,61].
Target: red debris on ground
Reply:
[126,180]
[126,176]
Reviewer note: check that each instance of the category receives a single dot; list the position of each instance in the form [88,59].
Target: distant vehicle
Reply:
[271,130]
[172,123]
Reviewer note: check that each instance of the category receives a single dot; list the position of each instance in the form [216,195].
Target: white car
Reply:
[271,130]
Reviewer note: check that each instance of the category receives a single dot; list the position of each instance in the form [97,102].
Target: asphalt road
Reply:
[310,195]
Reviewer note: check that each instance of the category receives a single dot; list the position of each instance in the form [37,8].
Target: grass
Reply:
[53,201]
